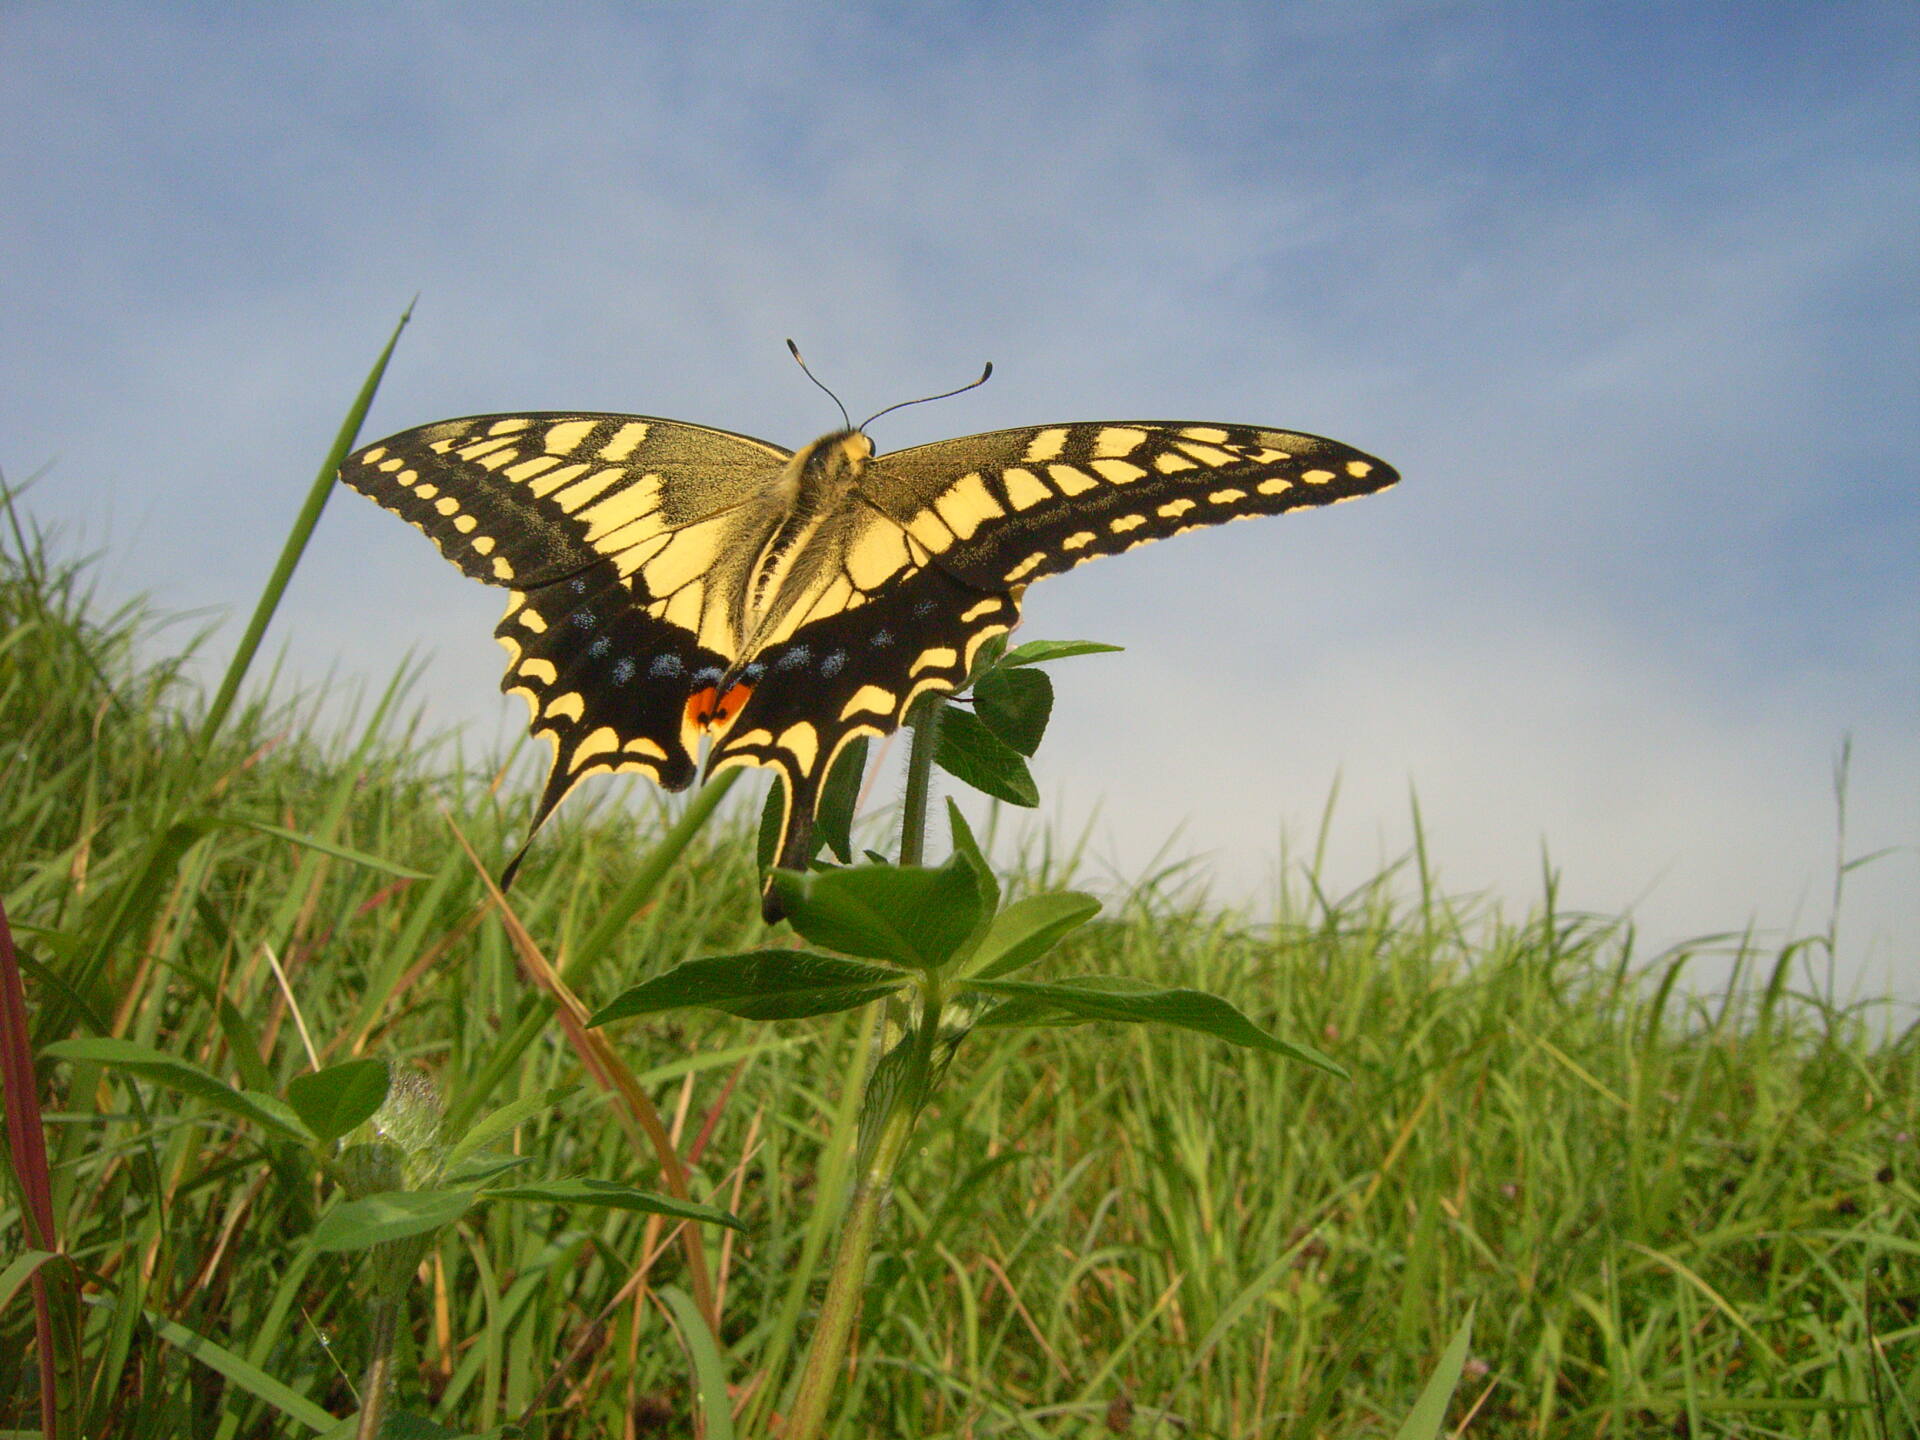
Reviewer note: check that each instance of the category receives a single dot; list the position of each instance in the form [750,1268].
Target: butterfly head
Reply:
[840,455]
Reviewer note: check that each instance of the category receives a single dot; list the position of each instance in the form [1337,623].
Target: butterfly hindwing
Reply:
[605,681]
[1012,506]
[855,671]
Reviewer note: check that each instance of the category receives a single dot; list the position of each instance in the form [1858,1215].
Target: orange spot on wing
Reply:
[708,709]
[701,706]
[730,705]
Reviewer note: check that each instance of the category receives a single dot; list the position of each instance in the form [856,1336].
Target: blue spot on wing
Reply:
[623,669]
[665,667]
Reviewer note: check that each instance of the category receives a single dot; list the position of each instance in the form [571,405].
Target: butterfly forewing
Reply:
[524,500]
[1012,506]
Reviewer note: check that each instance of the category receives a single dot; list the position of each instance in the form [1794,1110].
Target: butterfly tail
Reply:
[794,850]
[559,784]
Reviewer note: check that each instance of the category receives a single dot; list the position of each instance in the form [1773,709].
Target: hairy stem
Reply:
[378,1379]
[925,721]
[827,1352]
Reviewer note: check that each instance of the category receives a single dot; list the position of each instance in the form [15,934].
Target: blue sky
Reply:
[1628,293]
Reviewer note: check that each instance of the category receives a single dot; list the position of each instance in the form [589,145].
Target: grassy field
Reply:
[1672,1215]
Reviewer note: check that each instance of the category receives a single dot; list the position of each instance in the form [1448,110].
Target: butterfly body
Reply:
[672,584]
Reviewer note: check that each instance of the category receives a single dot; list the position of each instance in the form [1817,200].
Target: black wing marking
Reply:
[1012,506]
[854,672]
[606,682]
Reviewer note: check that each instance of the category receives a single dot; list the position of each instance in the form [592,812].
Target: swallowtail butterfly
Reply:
[669,582]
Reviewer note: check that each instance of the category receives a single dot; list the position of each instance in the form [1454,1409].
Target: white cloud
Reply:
[1639,346]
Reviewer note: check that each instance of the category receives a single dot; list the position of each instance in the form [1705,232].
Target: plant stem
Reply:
[925,721]
[827,1351]
[379,1373]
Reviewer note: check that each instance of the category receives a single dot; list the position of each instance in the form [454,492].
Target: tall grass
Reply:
[1675,1214]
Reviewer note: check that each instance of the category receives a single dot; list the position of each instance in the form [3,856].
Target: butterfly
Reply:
[671,583]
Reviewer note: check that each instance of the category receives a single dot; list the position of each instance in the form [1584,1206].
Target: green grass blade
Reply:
[1429,1412]
[709,1369]
[580,965]
[338,851]
[296,545]
[247,1376]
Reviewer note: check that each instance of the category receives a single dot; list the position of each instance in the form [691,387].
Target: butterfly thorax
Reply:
[812,492]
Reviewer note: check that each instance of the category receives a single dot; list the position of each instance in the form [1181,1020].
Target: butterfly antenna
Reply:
[943,395]
[816,380]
